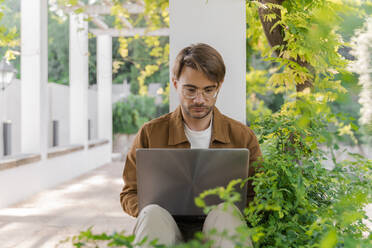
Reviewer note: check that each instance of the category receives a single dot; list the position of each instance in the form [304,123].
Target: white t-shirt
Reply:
[199,139]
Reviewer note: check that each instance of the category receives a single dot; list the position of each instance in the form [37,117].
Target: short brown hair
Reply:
[203,58]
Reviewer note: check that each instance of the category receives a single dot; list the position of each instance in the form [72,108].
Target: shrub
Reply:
[131,113]
[298,202]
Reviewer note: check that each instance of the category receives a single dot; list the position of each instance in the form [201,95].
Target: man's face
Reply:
[192,82]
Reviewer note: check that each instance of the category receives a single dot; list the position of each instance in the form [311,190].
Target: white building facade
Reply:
[59,102]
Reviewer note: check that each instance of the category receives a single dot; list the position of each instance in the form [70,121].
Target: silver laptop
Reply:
[172,178]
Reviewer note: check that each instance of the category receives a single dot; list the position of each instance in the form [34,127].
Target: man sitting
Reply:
[197,75]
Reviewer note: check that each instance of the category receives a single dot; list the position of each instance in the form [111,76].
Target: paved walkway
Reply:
[55,214]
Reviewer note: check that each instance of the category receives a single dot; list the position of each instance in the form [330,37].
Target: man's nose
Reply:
[199,98]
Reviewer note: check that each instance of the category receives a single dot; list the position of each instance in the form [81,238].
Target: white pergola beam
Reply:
[126,22]
[105,9]
[99,22]
[130,32]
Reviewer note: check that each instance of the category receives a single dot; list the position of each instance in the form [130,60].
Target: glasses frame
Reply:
[197,92]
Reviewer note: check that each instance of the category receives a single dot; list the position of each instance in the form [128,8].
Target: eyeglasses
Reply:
[191,92]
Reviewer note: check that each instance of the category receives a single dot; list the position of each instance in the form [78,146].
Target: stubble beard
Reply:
[186,109]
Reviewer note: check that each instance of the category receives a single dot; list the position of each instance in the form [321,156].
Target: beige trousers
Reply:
[154,222]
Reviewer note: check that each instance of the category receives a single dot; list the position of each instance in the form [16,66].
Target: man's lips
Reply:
[198,108]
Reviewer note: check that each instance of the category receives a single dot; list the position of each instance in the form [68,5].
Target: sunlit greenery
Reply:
[9,31]
[315,37]
[132,112]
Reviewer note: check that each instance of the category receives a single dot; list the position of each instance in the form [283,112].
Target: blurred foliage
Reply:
[300,203]
[362,50]
[148,55]
[58,49]
[139,60]
[142,65]
[9,32]
[120,239]
[316,36]
[132,112]
[260,101]
[132,56]
[347,107]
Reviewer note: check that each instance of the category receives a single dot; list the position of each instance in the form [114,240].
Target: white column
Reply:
[34,77]
[104,85]
[2,119]
[78,79]
[221,24]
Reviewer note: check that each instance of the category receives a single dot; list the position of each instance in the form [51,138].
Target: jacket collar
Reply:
[220,129]
[177,132]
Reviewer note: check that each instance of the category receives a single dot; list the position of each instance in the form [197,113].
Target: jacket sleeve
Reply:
[255,156]
[128,195]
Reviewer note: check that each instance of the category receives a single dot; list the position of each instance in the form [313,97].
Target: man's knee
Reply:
[153,211]
[225,218]
[224,209]
[154,222]
[227,207]
[153,216]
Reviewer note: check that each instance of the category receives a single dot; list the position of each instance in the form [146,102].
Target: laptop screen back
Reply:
[172,178]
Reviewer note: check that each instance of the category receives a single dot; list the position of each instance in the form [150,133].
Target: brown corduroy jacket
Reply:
[167,131]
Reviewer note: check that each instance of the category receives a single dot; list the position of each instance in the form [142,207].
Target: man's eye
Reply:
[209,90]
[190,90]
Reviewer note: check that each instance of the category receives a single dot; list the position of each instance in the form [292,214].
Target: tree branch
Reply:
[275,37]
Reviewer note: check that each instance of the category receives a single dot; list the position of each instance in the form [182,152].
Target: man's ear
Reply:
[174,81]
[219,85]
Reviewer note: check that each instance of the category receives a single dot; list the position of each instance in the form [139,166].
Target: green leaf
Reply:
[330,240]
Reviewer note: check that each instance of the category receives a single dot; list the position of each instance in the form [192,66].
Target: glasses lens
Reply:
[209,92]
[191,92]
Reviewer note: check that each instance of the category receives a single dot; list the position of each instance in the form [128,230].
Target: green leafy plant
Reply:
[131,113]
[9,35]
[300,203]
[302,46]
[89,239]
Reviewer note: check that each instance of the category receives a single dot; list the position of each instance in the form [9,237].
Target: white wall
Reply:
[12,113]
[26,180]
[120,91]
[59,97]
[59,100]
[93,112]
[221,24]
